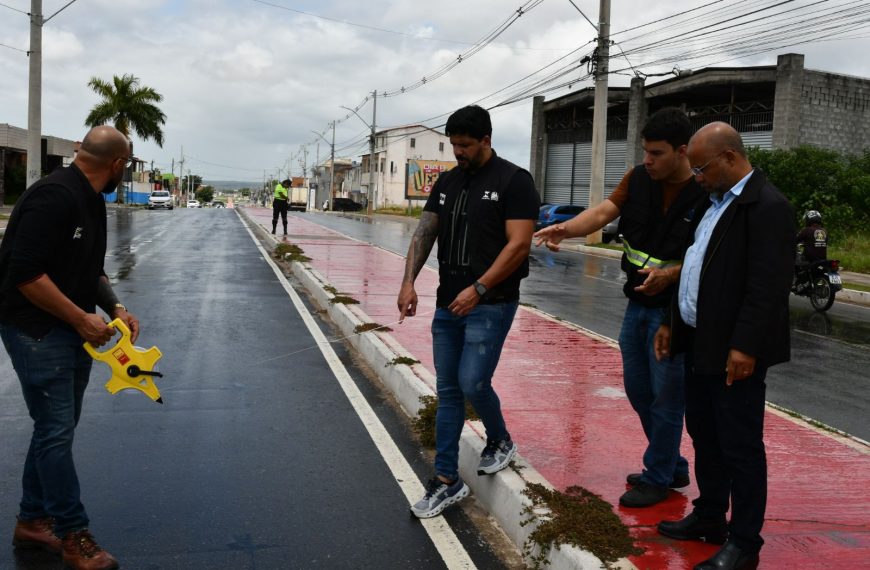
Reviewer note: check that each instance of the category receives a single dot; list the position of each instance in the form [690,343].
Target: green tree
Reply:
[185,182]
[204,194]
[129,106]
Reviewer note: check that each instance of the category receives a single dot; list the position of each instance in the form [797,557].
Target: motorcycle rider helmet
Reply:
[812,217]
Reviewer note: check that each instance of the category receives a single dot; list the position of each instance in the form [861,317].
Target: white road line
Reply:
[442,536]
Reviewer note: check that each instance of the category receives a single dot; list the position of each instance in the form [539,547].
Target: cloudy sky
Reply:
[245,82]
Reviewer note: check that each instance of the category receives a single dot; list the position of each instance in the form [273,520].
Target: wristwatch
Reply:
[480,288]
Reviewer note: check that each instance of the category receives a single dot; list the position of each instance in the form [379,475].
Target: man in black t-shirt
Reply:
[51,282]
[482,215]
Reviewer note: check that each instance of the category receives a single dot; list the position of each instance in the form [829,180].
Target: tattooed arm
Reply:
[418,252]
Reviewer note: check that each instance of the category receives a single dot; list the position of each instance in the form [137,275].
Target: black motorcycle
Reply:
[818,280]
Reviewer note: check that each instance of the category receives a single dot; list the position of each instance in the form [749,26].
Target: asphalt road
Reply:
[827,377]
[257,459]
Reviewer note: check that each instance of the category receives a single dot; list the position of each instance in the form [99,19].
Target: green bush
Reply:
[835,184]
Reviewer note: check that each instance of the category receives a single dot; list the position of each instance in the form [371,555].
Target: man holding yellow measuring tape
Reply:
[51,281]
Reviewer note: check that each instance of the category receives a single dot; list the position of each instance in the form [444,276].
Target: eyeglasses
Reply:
[699,170]
[128,160]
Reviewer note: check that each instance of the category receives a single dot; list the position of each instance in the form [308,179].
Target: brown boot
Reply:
[38,533]
[81,552]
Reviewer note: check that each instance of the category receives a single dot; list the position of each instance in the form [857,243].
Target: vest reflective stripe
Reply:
[642,259]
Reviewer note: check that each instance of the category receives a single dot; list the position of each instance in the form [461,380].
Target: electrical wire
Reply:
[14,9]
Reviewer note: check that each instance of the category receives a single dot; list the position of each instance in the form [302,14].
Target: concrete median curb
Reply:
[500,494]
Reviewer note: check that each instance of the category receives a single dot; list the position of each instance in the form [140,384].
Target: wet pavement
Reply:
[826,379]
[564,403]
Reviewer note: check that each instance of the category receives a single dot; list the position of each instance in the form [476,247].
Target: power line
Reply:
[584,15]
[15,48]
[15,9]
[45,21]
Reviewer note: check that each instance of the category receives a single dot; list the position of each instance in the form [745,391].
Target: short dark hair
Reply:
[286,182]
[669,124]
[472,121]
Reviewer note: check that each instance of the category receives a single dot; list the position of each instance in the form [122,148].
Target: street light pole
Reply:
[371,193]
[332,162]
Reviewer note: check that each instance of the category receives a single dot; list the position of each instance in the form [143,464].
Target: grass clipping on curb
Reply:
[291,252]
[424,423]
[577,517]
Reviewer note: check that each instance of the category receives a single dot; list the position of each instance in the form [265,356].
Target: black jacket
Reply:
[745,282]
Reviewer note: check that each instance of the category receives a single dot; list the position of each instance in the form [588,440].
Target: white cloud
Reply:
[245,83]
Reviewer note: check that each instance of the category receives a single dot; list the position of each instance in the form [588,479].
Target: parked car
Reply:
[555,213]
[610,232]
[218,205]
[193,204]
[160,199]
[346,205]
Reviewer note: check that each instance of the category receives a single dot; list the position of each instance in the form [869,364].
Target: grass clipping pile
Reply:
[577,517]
[290,252]
[424,423]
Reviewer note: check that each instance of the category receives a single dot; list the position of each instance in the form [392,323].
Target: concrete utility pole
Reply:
[599,120]
[372,197]
[34,98]
[332,171]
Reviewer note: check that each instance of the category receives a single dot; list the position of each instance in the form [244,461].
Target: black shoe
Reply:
[681,480]
[643,495]
[730,557]
[694,527]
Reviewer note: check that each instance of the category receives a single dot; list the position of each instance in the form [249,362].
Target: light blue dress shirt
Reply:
[690,275]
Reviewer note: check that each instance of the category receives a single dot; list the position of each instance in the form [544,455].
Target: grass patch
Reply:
[853,251]
[366,327]
[291,252]
[857,287]
[330,289]
[343,300]
[577,517]
[530,305]
[406,360]
[424,423]
[413,212]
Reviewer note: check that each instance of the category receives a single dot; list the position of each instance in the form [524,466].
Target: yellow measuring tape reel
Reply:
[132,366]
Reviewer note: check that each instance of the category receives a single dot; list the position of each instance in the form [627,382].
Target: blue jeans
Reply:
[54,373]
[466,352]
[656,392]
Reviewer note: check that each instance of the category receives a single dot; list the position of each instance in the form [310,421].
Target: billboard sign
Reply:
[420,177]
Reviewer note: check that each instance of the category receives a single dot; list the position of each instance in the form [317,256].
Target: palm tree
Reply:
[129,107]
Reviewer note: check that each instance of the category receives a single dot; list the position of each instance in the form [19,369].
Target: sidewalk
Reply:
[561,390]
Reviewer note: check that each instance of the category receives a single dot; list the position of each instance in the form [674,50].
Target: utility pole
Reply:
[599,119]
[372,197]
[34,98]
[332,171]
[181,176]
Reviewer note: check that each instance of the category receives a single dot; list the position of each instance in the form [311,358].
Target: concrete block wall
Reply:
[835,111]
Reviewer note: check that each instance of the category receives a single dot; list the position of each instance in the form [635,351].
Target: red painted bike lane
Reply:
[563,400]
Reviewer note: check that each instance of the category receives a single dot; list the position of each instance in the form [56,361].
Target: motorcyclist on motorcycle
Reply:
[813,237]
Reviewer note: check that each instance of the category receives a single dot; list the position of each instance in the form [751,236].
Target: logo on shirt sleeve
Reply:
[441,198]
[77,234]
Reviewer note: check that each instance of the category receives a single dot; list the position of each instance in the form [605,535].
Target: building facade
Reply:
[393,149]
[779,106]
[56,152]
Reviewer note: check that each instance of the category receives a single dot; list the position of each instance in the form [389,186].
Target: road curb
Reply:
[500,494]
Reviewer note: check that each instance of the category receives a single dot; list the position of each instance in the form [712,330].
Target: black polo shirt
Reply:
[472,210]
[57,228]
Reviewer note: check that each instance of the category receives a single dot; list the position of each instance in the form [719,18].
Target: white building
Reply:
[393,149]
